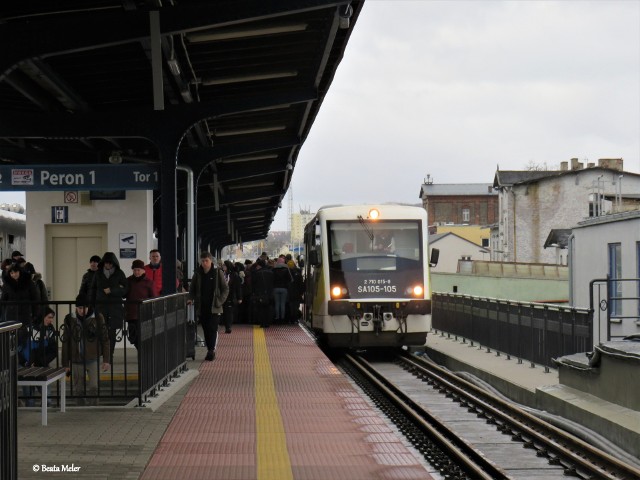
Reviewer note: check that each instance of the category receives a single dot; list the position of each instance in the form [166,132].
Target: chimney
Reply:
[575,164]
[564,166]
[612,163]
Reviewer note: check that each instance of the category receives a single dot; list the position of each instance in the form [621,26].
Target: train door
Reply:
[68,249]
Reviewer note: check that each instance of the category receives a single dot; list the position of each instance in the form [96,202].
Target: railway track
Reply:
[466,432]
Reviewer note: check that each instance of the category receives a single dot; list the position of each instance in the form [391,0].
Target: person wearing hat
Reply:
[85,346]
[87,278]
[140,288]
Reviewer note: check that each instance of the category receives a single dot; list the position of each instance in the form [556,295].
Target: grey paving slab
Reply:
[96,442]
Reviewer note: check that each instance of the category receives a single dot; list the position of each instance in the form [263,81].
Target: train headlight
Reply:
[416,291]
[374,214]
[338,292]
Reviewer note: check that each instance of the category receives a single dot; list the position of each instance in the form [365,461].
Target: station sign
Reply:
[78,177]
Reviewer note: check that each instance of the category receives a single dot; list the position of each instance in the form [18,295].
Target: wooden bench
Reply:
[42,377]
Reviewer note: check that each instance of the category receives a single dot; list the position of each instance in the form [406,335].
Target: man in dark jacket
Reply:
[107,292]
[87,278]
[208,291]
[262,292]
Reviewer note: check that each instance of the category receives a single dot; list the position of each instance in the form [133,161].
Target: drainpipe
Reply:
[190,220]
[570,261]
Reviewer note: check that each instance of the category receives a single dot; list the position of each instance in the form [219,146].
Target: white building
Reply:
[533,203]
[452,249]
[64,229]
[608,245]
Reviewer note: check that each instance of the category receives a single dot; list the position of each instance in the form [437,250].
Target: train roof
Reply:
[395,211]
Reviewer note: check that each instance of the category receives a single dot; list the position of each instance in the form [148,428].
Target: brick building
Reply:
[460,204]
[534,203]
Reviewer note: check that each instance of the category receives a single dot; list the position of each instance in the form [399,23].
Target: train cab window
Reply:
[379,246]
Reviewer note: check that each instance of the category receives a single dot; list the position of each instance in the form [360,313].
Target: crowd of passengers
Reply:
[263,292]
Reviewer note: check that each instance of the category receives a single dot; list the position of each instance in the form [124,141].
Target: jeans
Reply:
[280,298]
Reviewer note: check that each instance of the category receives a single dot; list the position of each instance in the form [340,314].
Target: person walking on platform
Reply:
[208,291]
[87,278]
[139,288]
[85,341]
[296,290]
[281,280]
[234,299]
[107,292]
[262,293]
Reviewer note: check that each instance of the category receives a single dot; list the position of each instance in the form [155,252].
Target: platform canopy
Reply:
[226,89]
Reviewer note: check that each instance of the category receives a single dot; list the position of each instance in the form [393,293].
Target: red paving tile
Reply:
[331,431]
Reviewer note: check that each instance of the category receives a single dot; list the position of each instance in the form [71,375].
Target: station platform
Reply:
[271,406]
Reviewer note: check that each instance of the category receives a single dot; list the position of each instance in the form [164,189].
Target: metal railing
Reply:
[134,373]
[8,401]
[616,303]
[534,332]
[162,348]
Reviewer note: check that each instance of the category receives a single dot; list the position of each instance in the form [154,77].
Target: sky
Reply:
[453,89]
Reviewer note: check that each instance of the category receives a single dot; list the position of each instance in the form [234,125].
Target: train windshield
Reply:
[382,254]
[374,246]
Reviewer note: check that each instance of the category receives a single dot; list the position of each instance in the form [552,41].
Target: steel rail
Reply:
[467,457]
[572,450]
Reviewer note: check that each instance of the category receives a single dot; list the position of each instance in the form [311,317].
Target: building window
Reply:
[465,215]
[485,242]
[615,273]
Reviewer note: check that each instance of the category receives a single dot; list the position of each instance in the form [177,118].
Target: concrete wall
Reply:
[133,215]
[511,288]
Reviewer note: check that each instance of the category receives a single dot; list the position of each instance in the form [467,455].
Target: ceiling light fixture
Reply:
[231,34]
[246,131]
[248,78]
[250,185]
[251,158]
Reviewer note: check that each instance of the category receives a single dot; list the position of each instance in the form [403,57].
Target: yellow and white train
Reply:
[367,276]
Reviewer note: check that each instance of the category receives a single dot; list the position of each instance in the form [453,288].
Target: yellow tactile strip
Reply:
[271,407]
[271,443]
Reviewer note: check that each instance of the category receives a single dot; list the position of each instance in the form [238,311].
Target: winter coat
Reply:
[155,277]
[281,276]
[22,290]
[87,281]
[89,334]
[40,348]
[296,287]
[140,288]
[262,285]
[109,305]
[235,289]
[220,292]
